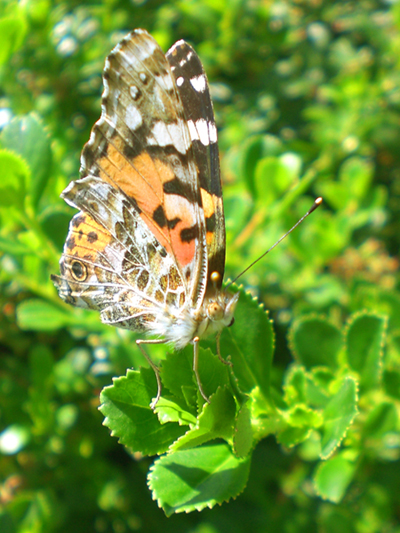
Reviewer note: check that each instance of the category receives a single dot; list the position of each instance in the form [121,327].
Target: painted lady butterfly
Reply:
[147,248]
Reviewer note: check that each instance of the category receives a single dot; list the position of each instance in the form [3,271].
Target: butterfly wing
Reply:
[139,197]
[192,84]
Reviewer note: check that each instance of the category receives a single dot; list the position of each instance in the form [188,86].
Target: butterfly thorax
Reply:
[180,326]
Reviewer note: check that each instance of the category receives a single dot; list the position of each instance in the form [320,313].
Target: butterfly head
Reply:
[219,309]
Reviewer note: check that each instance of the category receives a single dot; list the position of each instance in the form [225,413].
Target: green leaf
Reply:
[300,420]
[318,382]
[364,342]
[249,344]
[338,416]
[302,416]
[177,374]
[13,29]
[355,175]
[126,406]
[255,148]
[39,405]
[274,176]
[334,476]
[172,409]
[311,388]
[55,222]
[15,175]
[13,247]
[39,315]
[295,385]
[291,436]
[27,137]
[315,342]
[391,382]
[216,421]
[213,373]
[193,479]
[381,420]
[243,440]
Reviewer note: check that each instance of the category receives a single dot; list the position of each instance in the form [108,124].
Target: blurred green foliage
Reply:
[307,101]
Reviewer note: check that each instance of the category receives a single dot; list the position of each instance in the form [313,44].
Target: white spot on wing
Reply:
[202,128]
[134,91]
[133,117]
[170,134]
[199,83]
[180,81]
[212,131]
[192,129]
[166,82]
[185,59]
[203,131]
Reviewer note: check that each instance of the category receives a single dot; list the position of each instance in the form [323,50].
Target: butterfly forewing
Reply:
[141,146]
[193,87]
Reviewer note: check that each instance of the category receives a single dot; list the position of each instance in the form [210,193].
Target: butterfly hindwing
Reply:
[114,271]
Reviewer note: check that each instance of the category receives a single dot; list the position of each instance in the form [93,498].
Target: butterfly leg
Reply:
[139,343]
[229,363]
[196,367]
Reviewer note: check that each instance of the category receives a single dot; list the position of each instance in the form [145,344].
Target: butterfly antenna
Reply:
[316,204]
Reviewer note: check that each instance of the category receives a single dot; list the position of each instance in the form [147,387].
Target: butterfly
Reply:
[147,247]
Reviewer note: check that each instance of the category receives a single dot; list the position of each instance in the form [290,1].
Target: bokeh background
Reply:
[307,103]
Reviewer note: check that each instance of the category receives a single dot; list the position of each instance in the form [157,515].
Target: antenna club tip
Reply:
[316,204]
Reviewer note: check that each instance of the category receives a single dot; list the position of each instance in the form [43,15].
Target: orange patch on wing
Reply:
[177,207]
[86,238]
[209,201]
[140,178]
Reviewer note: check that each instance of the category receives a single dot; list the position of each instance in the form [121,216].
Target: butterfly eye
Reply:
[215,311]
[79,270]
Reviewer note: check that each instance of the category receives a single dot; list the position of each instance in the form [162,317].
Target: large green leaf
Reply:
[338,416]
[334,476]
[126,407]
[216,421]
[39,315]
[365,339]
[193,479]
[27,137]
[315,342]
[13,29]
[249,344]
[15,176]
